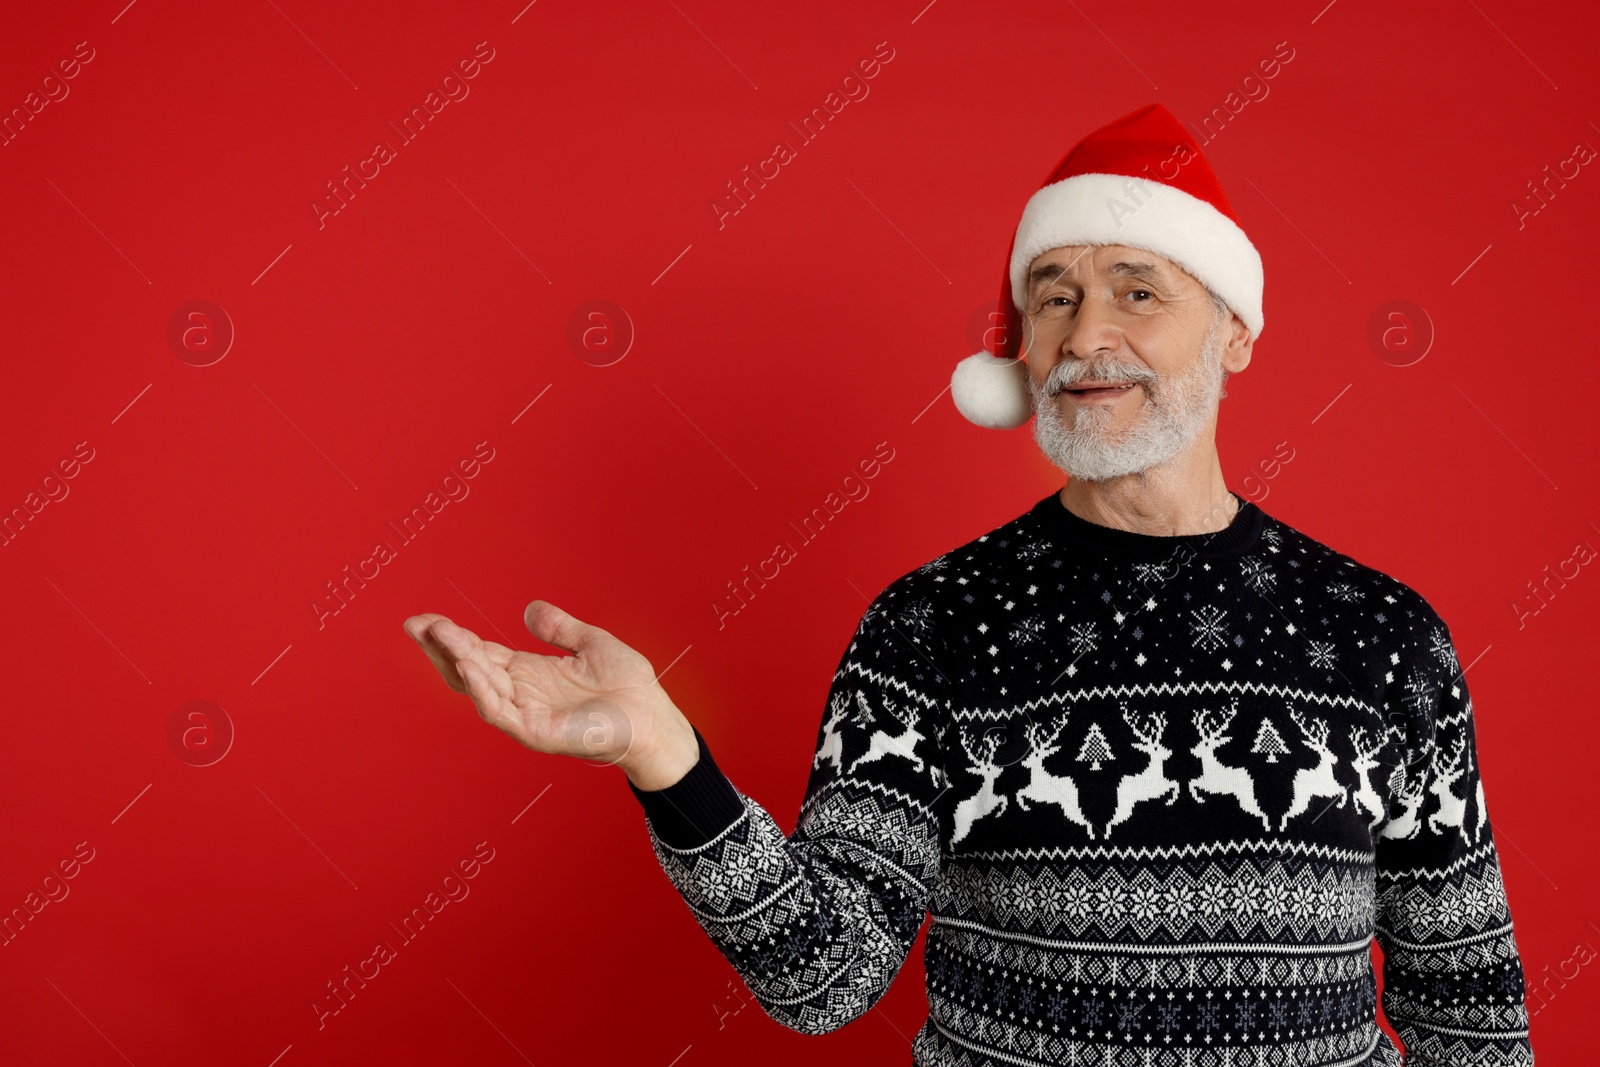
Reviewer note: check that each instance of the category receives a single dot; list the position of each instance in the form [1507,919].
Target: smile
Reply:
[1096,390]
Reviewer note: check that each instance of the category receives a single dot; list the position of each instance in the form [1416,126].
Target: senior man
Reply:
[1160,766]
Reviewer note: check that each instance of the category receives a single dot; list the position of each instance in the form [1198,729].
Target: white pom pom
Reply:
[992,392]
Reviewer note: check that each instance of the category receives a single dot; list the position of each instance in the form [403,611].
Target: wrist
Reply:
[664,763]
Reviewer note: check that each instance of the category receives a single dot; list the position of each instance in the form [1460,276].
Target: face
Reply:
[1126,356]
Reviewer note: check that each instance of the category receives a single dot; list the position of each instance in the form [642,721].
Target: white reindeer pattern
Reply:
[1452,809]
[1044,787]
[1483,814]
[831,750]
[986,801]
[1366,797]
[1318,781]
[1216,776]
[882,743]
[1408,784]
[1150,783]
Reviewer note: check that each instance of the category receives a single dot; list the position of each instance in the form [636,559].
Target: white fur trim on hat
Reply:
[992,392]
[1114,209]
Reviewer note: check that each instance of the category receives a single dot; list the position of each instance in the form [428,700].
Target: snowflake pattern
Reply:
[1032,550]
[1085,637]
[1420,694]
[1028,631]
[1346,592]
[1444,651]
[1145,572]
[1258,577]
[1206,627]
[917,618]
[1322,654]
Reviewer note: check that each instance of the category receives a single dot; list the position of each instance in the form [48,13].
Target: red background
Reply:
[771,355]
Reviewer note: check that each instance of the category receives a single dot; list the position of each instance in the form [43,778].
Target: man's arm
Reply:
[819,923]
[1453,981]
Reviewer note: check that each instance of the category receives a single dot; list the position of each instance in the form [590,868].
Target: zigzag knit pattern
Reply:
[1159,796]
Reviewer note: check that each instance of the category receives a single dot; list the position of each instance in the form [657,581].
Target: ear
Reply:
[1237,346]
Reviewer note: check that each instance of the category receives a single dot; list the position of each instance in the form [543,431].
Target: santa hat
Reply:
[1140,181]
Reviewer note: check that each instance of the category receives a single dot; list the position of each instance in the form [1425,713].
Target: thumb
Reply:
[555,627]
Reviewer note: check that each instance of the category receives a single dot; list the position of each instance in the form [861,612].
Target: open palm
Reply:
[602,702]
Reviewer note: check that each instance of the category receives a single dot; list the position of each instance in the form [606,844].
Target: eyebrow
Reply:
[1145,272]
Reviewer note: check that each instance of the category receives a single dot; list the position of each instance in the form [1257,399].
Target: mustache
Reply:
[1063,375]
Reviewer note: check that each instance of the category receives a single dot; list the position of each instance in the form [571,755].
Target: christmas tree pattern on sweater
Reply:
[1159,795]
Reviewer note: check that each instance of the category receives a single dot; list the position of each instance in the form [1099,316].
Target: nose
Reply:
[1094,330]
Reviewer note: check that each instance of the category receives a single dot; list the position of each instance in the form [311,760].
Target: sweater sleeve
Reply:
[1453,980]
[818,923]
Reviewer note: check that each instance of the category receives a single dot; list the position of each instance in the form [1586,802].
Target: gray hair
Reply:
[1219,313]
[1219,306]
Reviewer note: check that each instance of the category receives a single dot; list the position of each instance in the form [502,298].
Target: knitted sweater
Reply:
[1158,794]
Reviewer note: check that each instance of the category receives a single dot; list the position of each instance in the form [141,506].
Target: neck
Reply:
[1185,495]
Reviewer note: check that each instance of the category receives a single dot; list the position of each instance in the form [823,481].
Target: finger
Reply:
[556,627]
[483,695]
[420,629]
[460,644]
[448,642]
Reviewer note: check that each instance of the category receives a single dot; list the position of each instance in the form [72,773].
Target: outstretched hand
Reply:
[602,702]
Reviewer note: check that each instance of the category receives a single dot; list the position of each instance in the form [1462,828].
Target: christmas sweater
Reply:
[1158,794]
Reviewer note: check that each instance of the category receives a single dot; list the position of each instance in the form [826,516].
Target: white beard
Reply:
[1173,413]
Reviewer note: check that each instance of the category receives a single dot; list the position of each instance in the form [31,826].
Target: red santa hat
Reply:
[1140,181]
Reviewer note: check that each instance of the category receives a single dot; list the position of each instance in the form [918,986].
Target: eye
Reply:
[1050,298]
[1146,292]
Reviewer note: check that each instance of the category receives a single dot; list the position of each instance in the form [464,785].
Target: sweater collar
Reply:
[1083,536]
